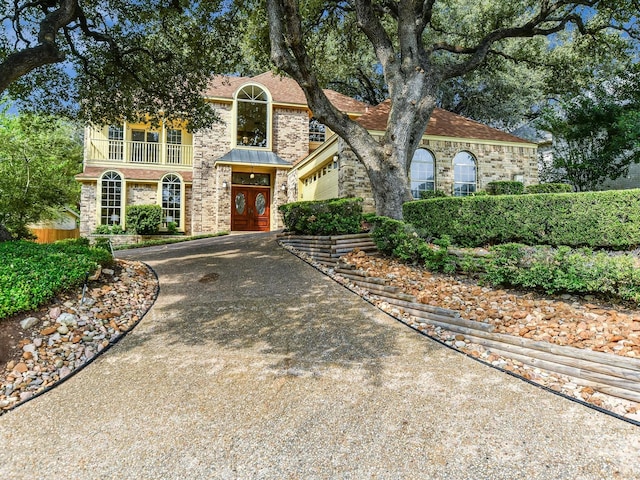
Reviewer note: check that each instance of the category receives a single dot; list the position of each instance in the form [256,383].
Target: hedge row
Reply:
[323,217]
[552,270]
[594,219]
[31,274]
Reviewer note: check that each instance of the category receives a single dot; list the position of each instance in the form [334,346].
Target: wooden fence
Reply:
[50,235]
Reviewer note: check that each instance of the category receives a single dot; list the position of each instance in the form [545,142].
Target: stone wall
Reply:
[142,193]
[208,145]
[290,133]
[222,198]
[88,209]
[353,180]
[494,162]
[280,197]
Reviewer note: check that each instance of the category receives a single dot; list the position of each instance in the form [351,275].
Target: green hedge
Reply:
[505,188]
[550,188]
[562,269]
[593,219]
[323,217]
[31,274]
[144,219]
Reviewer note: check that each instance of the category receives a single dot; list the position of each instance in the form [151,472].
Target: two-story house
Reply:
[268,150]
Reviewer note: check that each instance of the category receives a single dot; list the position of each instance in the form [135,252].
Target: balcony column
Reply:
[163,144]
[125,143]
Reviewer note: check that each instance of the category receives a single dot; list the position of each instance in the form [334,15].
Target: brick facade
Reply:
[494,162]
[88,208]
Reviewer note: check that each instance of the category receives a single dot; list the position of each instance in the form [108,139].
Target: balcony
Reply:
[146,153]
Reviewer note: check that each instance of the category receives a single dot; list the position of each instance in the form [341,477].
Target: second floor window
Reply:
[317,131]
[252,117]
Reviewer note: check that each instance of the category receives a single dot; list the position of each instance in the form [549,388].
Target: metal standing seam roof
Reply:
[254,157]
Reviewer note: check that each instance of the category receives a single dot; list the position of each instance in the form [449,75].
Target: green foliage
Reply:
[549,188]
[597,133]
[172,228]
[505,188]
[39,155]
[400,240]
[427,194]
[144,219]
[31,274]
[555,270]
[323,217]
[109,230]
[594,219]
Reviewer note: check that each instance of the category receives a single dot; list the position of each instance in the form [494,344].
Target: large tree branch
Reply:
[46,52]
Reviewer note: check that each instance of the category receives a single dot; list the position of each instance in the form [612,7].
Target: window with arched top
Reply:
[464,174]
[422,173]
[111,199]
[171,199]
[252,117]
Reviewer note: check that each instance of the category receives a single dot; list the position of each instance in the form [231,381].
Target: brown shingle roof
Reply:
[282,89]
[442,123]
[91,173]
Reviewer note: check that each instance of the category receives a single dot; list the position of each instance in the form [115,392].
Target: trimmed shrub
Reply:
[593,219]
[144,219]
[427,194]
[562,269]
[400,240]
[338,216]
[550,188]
[505,188]
[31,274]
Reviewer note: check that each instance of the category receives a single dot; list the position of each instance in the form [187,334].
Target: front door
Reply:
[250,209]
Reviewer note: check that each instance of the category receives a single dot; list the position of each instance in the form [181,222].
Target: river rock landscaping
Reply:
[585,322]
[43,347]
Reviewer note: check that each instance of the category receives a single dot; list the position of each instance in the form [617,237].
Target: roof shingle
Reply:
[442,123]
[282,89]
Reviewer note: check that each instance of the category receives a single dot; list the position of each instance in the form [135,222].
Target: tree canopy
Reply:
[114,59]
[597,133]
[39,155]
[422,45]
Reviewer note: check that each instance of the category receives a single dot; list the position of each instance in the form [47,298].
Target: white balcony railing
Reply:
[126,151]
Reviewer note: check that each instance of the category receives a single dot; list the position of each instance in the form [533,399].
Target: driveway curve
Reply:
[253,365]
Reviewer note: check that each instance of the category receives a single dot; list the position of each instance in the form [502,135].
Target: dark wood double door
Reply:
[250,209]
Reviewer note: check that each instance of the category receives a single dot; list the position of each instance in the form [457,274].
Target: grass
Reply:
[32,274]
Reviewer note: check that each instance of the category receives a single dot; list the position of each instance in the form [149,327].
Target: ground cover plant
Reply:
[543,268]
[31,274]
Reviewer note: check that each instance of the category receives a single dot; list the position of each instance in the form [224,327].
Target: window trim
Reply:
[180,225]
[433,158]
[475,181]
[120,208]
[269,109]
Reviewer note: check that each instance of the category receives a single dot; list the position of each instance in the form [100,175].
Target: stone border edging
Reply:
[112,342]
[364,294]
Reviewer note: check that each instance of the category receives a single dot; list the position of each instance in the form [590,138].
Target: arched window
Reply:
[422,172]
[111,199]
[317,131]
[464,174]
[252,120]
[171,196]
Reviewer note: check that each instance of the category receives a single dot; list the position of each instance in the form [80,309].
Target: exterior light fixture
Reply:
[284,187]
[335,161]
[225,185]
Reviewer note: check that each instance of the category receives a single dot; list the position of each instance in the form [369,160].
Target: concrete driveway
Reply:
[252,365]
